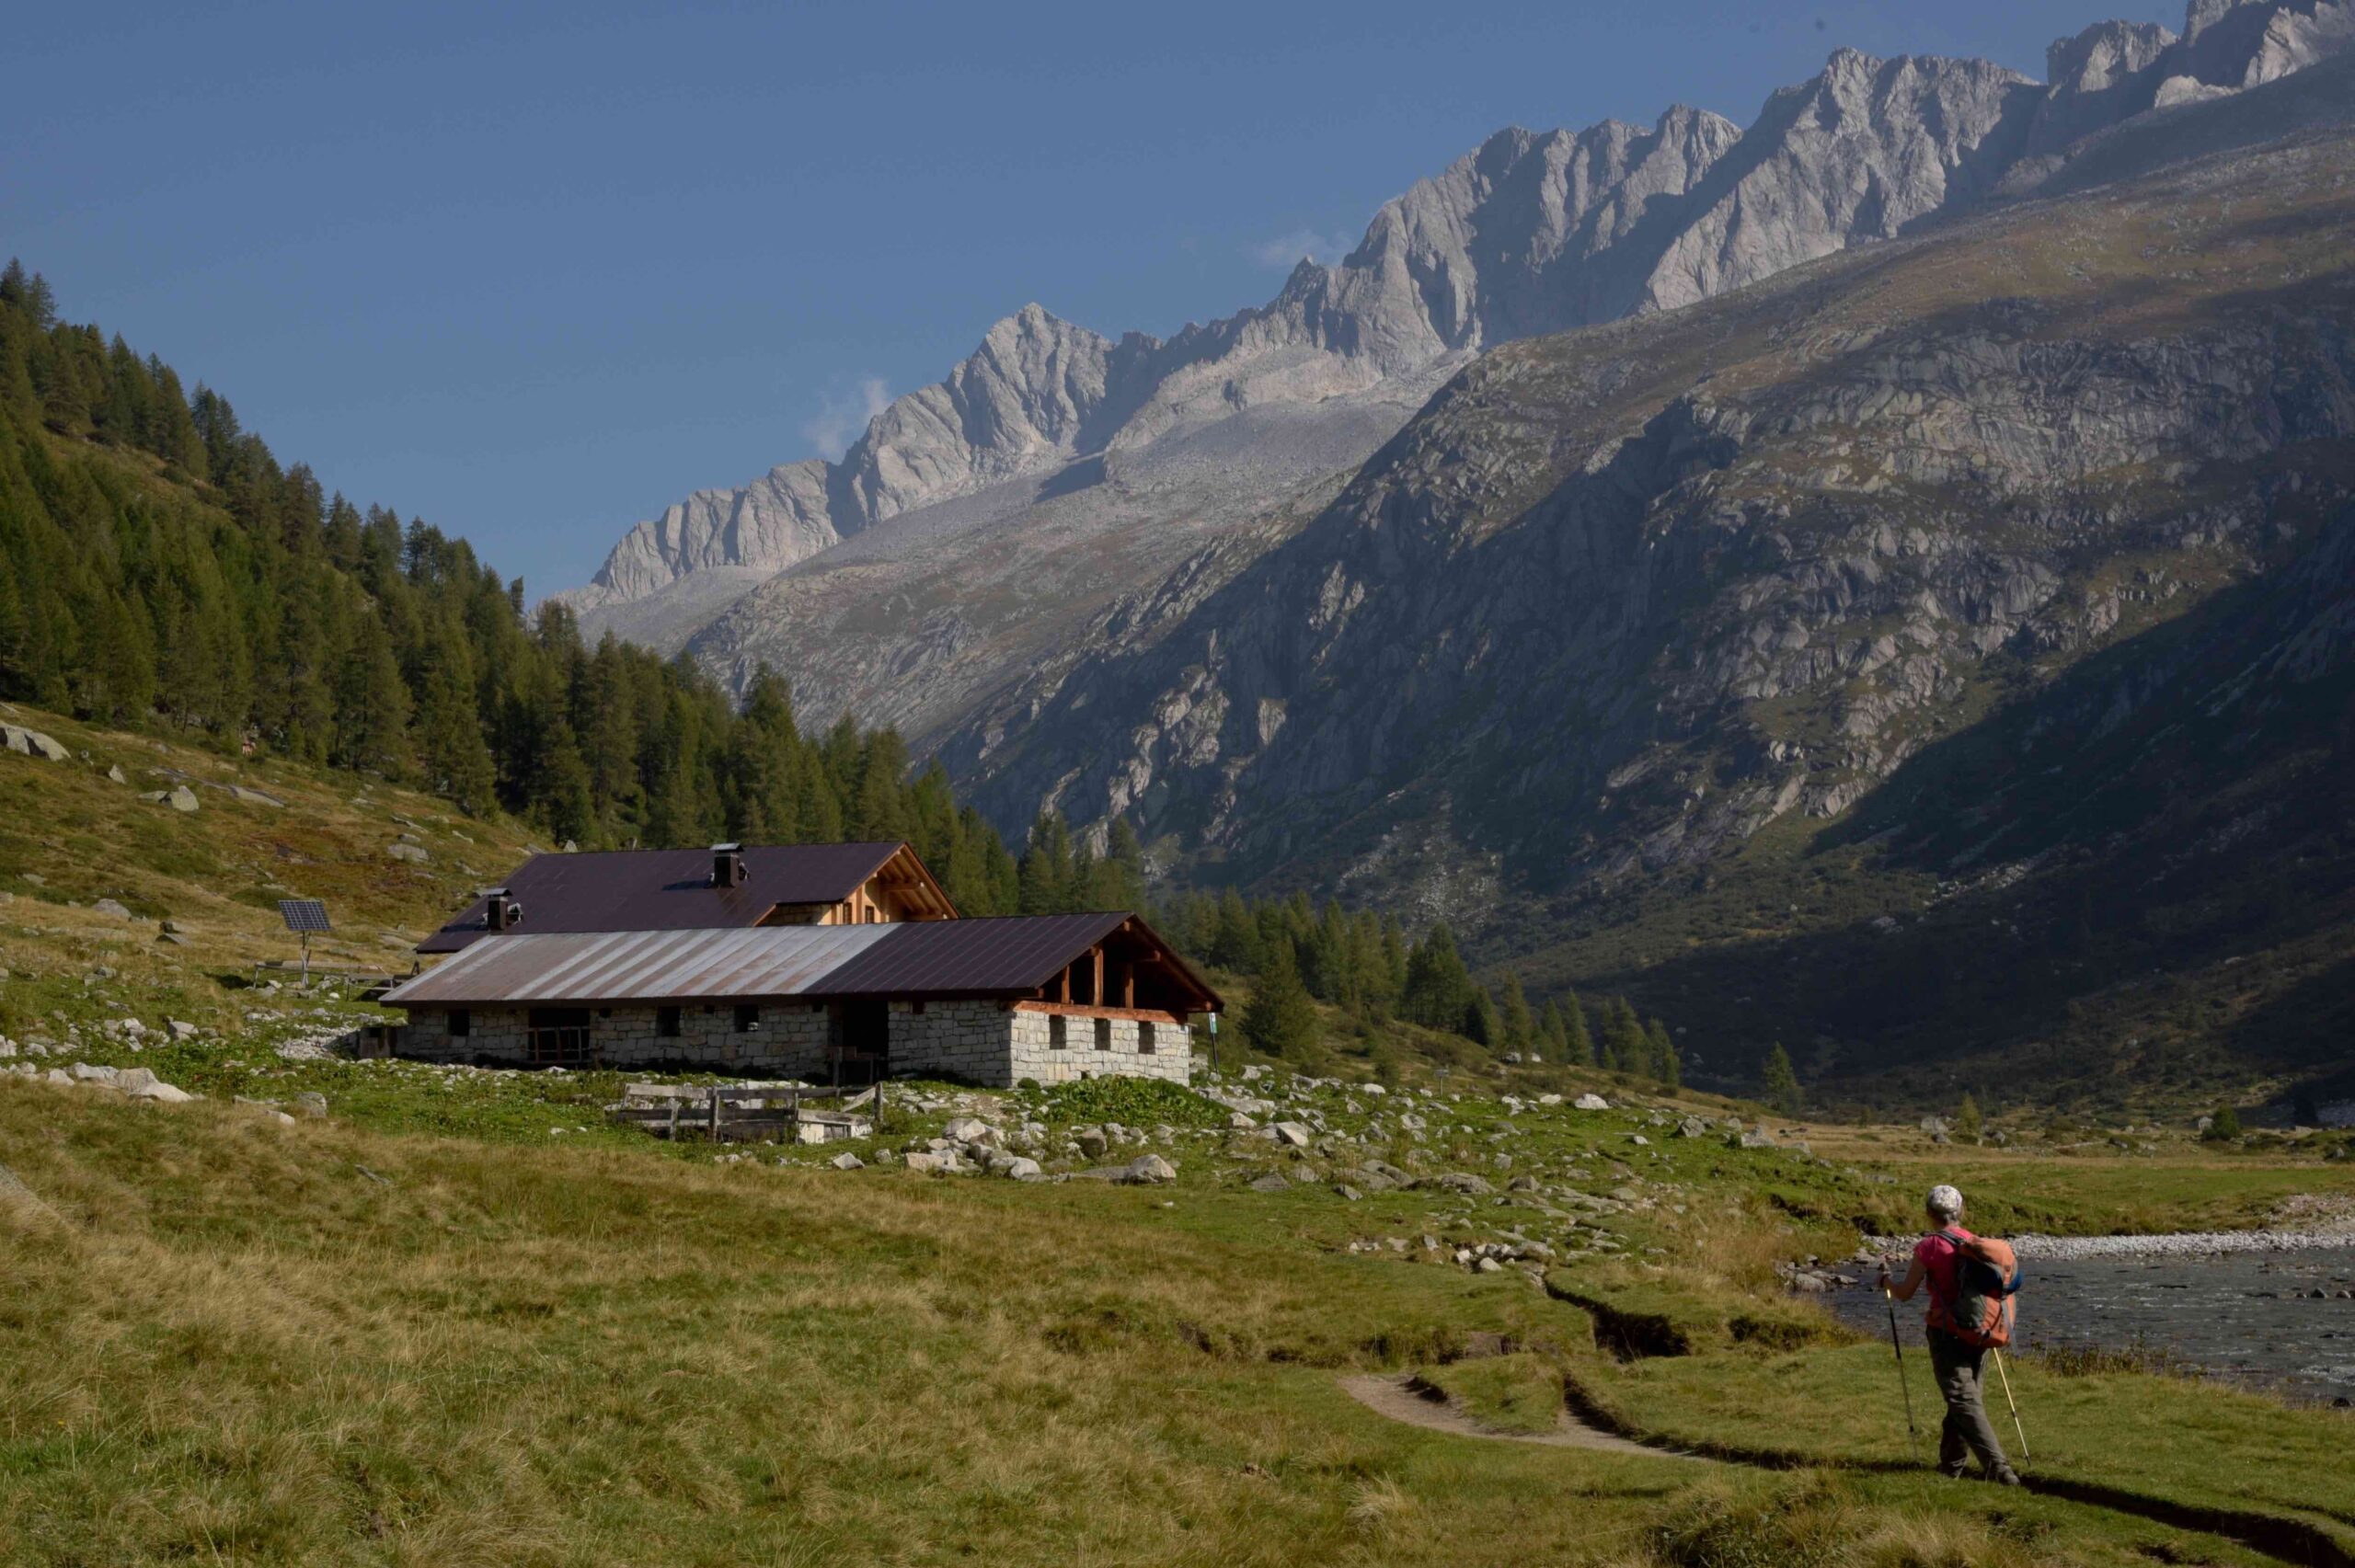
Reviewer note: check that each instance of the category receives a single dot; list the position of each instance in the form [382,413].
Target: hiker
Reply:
[1958,1345]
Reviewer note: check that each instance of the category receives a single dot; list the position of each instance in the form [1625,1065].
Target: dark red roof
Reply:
[1004,955]
[667,889]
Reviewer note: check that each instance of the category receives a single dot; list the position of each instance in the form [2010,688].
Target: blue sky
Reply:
[534,272]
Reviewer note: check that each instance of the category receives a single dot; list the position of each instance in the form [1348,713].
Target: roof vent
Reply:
[502,912]
[727,865]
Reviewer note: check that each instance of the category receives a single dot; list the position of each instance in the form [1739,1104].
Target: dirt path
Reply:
[1398,1397]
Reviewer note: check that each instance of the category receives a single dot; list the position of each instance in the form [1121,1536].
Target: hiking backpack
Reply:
[1987,1275]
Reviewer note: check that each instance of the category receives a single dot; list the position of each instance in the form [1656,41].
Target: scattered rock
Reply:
[1270,1183]
[311,1103]
[413,854]
[1590,1102]
[165,1092]
[115,773]
[846,1161]
[179,1028]
[969,1129]
[1019,1169]
[1149,1170]
[1092,1142]
[1292,1134]
[32,743]
[114,906]
[179,798]
[1347,1192]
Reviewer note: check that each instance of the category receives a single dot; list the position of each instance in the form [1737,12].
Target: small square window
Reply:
[1058,1032]
[748,1020]
[667,1022]
[462,1023]
[1103,1034]
[1145,1038]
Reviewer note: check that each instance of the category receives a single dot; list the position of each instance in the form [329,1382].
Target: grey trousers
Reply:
[1968,1432]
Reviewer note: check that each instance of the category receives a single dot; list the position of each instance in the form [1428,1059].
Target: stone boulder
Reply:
[1590,1102]
[1292,1135]
[969,1129]
[846,1161]
[1149,1170]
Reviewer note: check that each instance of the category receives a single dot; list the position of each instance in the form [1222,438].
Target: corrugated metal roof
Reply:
[639,966]
[640,890]
[1010,956]
[1009,953]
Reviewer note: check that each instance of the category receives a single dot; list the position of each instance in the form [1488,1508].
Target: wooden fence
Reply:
[738,1112]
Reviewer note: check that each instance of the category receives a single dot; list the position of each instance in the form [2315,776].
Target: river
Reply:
[2250,1316]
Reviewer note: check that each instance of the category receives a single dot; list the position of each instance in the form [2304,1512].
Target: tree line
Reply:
[158,567]
[1365,965]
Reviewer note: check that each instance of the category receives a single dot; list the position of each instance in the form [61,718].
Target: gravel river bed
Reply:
[2282,1317]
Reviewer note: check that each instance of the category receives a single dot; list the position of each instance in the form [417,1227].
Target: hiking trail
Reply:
[1404,1397]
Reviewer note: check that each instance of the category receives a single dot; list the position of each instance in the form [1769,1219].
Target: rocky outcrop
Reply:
[981,528]
[1618,600]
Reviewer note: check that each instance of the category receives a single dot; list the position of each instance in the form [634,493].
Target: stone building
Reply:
[991,1001]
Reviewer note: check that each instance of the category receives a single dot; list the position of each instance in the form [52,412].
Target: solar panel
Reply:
[304,914]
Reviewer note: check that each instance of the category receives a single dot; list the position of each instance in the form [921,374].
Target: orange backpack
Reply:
[1987,1275]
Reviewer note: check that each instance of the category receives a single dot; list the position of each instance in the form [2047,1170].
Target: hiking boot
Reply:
[2007,1478]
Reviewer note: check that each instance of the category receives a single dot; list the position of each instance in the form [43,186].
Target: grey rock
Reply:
[1020,1169]
[85,1073]
[1347,1193]
[164,1093]
[846,1161]
[1093,1142]
[415,855]
[311,1103]
[1292,1134]
[1147,1170]
[1270,1183]
[179,1029]
[179,798]
[114,906]
[1590,1102]
[969,1129]
[32,743]
[115,773]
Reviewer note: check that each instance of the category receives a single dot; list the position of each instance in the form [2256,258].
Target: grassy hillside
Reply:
[241,1340]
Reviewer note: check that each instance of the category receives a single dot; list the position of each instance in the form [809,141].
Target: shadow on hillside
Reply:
[2133,859]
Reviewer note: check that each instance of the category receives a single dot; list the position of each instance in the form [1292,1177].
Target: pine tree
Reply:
[1281,1020]
[1625,1048]
[1519,1033]
[1778,1084]
[1047,882]
[1970,1123]
[1664,1062]
[1577,1039]
[1437,992]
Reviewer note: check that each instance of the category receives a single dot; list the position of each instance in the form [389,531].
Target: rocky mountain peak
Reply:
[1532,232]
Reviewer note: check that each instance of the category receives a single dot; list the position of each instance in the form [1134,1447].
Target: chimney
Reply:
[503,912]
[727,865]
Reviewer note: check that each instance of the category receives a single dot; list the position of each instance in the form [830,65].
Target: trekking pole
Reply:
[1913,1433]
[2005,1377]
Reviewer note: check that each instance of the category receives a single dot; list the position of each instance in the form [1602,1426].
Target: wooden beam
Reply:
[1095,964]
[1128,985]
[1062,986]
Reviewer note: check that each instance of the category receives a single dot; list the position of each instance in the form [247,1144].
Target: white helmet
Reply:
[1946,1202]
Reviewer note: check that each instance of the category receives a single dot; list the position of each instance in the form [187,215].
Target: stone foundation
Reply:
[980,1042]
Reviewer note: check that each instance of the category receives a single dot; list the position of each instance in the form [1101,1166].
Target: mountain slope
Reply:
[1528,235]
[1638,607]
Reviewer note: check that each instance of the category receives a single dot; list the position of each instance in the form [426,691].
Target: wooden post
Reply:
[715,1113]
[674,1121]
[1128,985]
[1095,964]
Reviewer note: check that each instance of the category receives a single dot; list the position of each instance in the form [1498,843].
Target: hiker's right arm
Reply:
[1904,1289]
